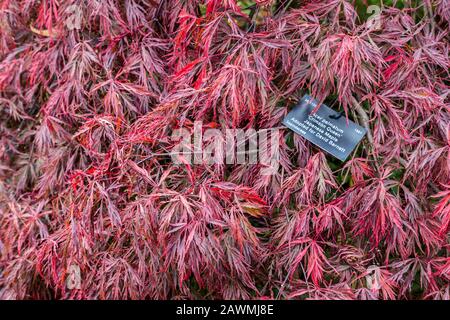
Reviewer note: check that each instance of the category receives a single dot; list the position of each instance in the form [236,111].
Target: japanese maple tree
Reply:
[91,91]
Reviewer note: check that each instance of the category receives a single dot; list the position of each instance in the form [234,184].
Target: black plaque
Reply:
[325,128]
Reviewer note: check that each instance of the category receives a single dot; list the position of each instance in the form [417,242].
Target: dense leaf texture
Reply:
[85,178]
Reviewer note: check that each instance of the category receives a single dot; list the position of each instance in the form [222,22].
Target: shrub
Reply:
[90,92]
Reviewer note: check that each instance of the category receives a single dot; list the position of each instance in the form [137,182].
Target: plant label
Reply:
[325,128]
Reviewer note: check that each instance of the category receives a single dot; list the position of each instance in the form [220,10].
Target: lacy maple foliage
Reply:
[90,92]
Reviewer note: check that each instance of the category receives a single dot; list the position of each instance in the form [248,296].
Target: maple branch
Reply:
[364,118]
